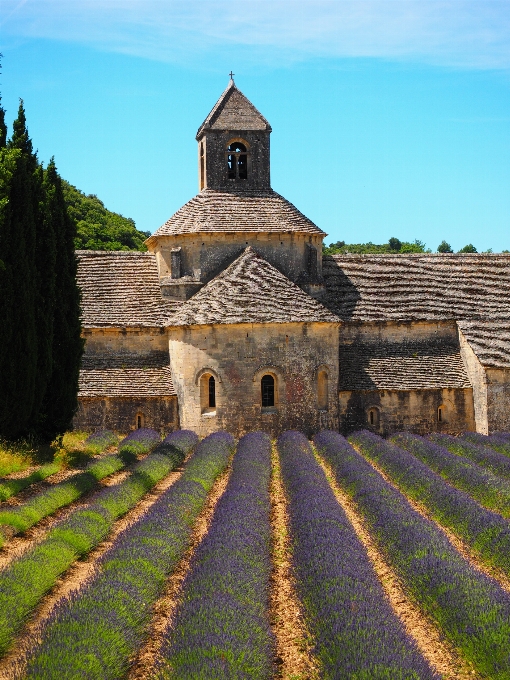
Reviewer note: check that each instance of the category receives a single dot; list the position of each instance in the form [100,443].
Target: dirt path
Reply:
[14,663]
[431,643]
[293,645]
[166,606]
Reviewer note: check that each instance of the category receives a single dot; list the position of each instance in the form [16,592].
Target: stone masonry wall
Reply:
[120,414]
[205,255]
[238,356]
[498,399]
[478,378]
[407,410]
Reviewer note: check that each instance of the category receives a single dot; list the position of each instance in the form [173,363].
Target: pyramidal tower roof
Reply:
[250,290]
[234,111]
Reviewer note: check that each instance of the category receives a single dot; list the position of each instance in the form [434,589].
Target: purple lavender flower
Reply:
[472,610]
[356,632]
[222,628]
[99,441]
[140,441]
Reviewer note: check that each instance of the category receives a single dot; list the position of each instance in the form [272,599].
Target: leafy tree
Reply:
[468,249]
[444,247]
[340,247]
[60,400]
[395,244]
[99,228]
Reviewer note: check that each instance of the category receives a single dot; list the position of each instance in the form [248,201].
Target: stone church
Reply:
[234,320]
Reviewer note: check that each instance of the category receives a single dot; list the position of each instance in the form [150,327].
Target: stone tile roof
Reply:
[401,366]
[121,289]
[418,287]
[250,290]
[125,374]
[489,340]
[234,111]
[242,211]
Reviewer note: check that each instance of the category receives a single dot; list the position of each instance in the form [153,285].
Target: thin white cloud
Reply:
[462,33]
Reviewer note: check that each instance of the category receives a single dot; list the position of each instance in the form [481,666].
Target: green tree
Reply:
[395,244]
[444,247]
[18,355]
[468,249]
[60,400]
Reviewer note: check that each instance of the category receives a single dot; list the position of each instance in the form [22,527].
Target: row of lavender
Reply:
[472,610]
[98,629]
[25,580]
[356,632]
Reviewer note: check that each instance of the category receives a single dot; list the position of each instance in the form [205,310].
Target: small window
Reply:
[322,390]
[212,392]
[237,161]
[139,421]
[440,414]
[373,417]
[267,388]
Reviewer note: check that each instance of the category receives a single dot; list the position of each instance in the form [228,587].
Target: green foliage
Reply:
[393,246]
[444,247]
[10,487]
[469,249]
[99,228]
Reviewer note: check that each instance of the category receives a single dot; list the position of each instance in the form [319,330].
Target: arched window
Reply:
[267,389]
[208,393]
[322,390]
[139,421]
[212,392]
[237,161]
[373,417]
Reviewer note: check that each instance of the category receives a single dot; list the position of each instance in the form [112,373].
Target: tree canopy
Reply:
[394,245]
[98,228]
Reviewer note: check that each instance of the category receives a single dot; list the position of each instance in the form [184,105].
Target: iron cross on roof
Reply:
[231,75]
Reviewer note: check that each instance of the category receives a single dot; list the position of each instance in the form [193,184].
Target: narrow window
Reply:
[201,166]
[371,417]
[212,392]
[440,414]
[322,390]
[237,161]
[267,387]
[139,421]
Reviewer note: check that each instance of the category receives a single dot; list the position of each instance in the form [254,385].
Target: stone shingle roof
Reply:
[125,374]
[246,211]
[489,340]
[234,111]
[401,366]
[418,287]
[121,289]
[250,290]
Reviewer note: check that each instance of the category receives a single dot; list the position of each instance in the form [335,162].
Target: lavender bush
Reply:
[24,582]
[100,441]
[140,441]
[356,633]
[96,632]
[486,457]
[10,487]
[499,441]
[486,532]
[222,628]
[489,490]
[472,610]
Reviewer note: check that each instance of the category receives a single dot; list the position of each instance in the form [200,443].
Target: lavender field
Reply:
[358,558]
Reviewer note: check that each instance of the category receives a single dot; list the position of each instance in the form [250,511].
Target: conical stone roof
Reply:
[243,211]
[234,111]
[250,290]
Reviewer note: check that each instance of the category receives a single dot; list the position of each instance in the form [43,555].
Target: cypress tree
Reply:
[60,401]
[18,362]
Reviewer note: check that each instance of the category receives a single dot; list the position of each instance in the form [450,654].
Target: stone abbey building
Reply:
[234,320]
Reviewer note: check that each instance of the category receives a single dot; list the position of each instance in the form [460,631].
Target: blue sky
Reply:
[390,118]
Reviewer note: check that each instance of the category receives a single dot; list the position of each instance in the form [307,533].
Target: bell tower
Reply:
[233,145]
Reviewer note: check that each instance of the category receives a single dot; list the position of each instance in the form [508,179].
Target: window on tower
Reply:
[237,161]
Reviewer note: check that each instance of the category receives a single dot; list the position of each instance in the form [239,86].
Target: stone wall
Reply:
[203,256]
[121,414]
[478,378]
[113,340]
[498,399]
[237,356]
[407,410]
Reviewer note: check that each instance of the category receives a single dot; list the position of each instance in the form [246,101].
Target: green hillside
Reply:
[99,228]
